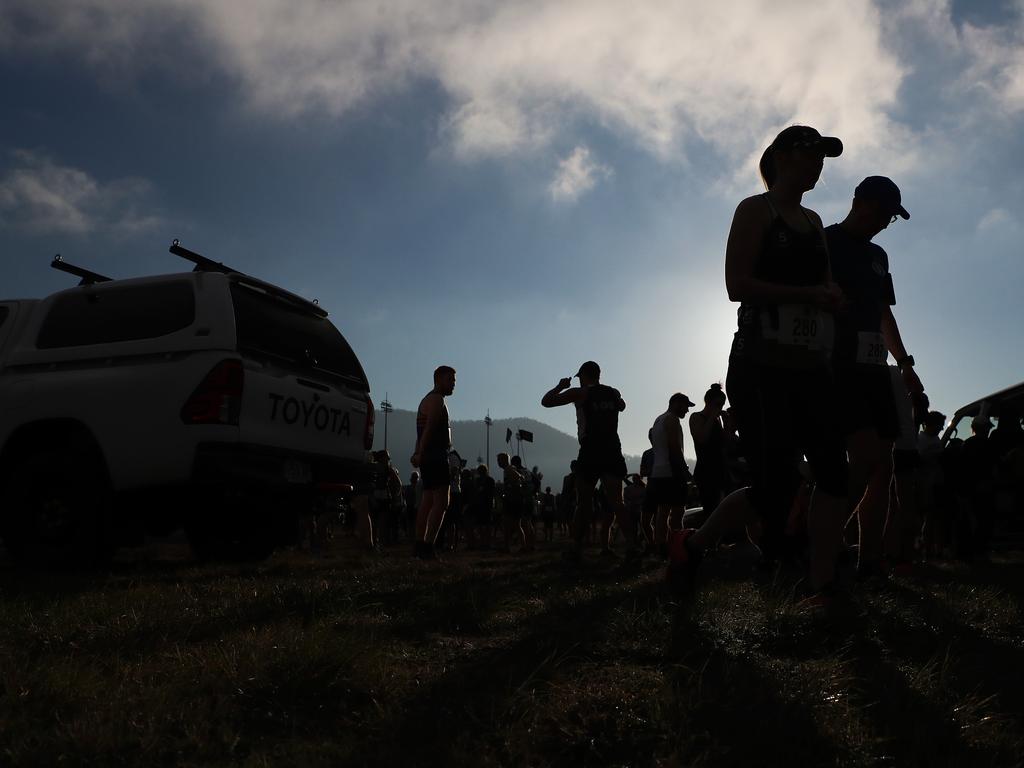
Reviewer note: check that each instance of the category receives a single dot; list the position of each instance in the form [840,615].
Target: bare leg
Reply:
[584,511]
[617,511]
[871,473]
[825,521]
[733,513]
[423,514]
[436,514]
[364,525]
[904,523]
[661,528]
[647,525]
[675,514]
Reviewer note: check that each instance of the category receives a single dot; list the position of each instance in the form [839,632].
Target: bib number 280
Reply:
[800,326]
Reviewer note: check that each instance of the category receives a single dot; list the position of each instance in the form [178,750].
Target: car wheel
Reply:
[56,510]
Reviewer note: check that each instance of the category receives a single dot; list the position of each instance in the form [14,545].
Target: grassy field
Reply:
[487,659]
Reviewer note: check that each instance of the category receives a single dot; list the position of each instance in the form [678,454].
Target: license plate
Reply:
[297,472]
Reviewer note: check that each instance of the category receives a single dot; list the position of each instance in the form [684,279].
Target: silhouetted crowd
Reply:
[826,454]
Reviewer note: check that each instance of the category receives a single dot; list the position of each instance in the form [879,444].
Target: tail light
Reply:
[371,418]
[218,398]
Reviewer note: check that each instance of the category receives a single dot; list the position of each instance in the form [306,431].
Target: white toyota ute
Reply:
[208,400]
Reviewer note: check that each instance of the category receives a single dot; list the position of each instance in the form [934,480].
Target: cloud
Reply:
[998,63]
[577,174]
[517,74]
[995,219]
[39,195]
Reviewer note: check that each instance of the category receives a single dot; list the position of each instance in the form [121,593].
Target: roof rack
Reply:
[88,277]
[203,264]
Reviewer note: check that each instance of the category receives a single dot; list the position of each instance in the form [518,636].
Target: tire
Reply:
[56,510]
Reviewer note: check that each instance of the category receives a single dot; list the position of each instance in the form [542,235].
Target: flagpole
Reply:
[488,422]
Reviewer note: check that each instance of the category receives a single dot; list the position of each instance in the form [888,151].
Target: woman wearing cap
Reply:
[779,381]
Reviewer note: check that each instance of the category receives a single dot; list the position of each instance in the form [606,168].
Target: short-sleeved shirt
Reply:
[662,445]
[861,269]
[597,418]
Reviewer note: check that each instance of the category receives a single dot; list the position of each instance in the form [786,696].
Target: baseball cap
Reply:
[678,395]
[590,368]
[805,136]
[885,191]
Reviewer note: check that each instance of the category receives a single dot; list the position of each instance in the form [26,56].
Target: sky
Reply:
[515,187]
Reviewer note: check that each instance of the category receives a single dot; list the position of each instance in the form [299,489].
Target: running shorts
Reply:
[434,471]
[596,462]
[866,401]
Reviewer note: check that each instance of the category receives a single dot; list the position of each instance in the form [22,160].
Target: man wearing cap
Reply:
[669,473]
[866,333]
[600,458]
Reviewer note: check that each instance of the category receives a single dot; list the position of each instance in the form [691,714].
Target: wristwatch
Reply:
[905,362]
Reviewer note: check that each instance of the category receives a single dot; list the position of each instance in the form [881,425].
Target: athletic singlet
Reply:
[711,456]
[861,269]
[786,335]
[662,465]
[441,439]
[597,418]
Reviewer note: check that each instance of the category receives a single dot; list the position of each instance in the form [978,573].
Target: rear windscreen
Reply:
[4,312]
[272,327]
[122,313]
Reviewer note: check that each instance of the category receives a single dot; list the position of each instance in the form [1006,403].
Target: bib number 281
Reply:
[871,348]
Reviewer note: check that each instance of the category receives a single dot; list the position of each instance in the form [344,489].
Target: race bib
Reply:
[801,325]
[871,348]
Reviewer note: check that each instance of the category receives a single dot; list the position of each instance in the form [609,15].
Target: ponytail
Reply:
[767,167]
[714,394]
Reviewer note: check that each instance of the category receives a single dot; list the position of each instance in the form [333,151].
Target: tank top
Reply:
[441,439]
[786,335]
[662,465]
[711,456]
[597,418]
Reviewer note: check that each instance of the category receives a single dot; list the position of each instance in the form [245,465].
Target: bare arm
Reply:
[431,410]
[560,394]
[891,334]
[675,446]
[894,343]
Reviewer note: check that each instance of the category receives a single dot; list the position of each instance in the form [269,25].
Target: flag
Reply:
[508,435]
[525,436]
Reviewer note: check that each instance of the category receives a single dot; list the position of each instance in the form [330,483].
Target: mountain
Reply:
[551,449]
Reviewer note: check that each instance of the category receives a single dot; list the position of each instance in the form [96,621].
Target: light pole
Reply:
[488,421]
[385,408]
